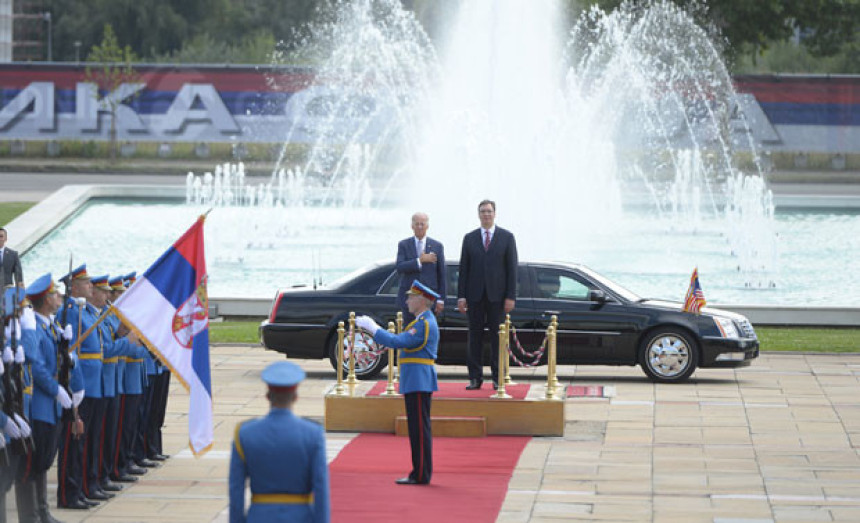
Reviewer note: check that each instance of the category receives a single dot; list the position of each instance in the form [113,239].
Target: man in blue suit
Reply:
[418,344]
[486,288]
[283,456]
[421,258]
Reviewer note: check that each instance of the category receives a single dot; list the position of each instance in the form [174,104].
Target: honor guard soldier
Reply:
[49,398]
[418,344]
[283,456]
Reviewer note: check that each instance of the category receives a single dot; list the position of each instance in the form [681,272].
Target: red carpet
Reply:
[470,480]
[458,390]
[584,391]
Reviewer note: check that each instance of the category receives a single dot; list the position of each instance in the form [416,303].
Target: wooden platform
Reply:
[521,417]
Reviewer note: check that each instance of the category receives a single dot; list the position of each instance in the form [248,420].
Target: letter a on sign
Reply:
[213,110]
[41,96]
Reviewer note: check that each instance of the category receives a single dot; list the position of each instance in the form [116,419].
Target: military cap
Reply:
[41,286]
[283,374]
[101,282]
[80,273]
[12,297]
[116,283]
[423,290]
[130,278]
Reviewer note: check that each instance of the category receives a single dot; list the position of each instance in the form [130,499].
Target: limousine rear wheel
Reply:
[668,355]
[368,364]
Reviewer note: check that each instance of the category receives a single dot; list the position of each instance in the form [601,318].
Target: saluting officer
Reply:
[284,457]
[418,344]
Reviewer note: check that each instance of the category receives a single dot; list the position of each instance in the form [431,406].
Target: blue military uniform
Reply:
[418,344]
[283,457]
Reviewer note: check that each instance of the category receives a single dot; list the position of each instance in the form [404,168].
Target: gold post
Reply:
[503,355]
[350,379]
[389,389]
[550,337]
[398,331]
[554,349]
[508,380]
[340,390]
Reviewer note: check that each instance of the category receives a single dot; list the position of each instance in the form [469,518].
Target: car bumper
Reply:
[722,352]
[297,341]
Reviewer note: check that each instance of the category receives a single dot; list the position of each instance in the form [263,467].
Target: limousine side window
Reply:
[454,275]
[557,285]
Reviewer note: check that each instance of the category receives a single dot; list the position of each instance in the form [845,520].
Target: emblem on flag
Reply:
[168,308]
[695,299]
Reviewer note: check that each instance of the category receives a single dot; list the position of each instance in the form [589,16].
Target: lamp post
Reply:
[47,18]
[78,51]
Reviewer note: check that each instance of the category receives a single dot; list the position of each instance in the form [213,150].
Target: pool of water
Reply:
[251,252]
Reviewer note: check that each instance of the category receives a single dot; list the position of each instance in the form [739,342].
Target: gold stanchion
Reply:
[508,380]
[554,351]
[350,379]
[389,389]
[503,355]
[550,363]
[340,390]
[398,331]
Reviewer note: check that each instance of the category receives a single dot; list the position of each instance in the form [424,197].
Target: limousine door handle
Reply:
[551,313]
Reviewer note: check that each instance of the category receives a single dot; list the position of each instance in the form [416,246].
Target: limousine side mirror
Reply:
[596,295]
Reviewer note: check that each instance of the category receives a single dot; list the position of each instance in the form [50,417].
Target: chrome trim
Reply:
[601,333]
[320,325]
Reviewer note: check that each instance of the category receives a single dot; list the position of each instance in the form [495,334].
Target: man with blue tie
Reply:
[421,258]
[418,344]
[282,456]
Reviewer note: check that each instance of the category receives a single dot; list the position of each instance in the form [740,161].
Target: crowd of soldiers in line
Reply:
[79,387]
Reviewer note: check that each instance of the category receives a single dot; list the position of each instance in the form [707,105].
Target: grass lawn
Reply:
[10,210]
[779,339]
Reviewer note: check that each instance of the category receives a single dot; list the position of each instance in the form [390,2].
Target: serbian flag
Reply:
[695,299]
[168,308]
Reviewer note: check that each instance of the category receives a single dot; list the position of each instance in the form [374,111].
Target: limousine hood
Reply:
[677,306]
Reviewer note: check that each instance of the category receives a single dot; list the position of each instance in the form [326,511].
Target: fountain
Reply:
[619,144]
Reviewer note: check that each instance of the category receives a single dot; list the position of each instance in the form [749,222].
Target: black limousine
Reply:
[600,322]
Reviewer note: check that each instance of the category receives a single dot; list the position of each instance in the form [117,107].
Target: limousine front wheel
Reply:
[368,363]
[668,355]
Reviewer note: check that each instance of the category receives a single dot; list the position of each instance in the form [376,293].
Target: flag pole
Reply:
[89,331]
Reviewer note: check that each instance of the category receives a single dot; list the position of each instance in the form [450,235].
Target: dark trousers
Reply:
[420,434]
[484,314]
[70,467]
[109,430]
[46,437]
[93,446]
[138,451]
[129,415]
[161,389]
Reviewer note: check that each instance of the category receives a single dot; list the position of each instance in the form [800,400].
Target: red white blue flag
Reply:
[168,308]
[695,299]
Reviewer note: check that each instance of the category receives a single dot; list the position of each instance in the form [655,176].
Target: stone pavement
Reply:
[777,441]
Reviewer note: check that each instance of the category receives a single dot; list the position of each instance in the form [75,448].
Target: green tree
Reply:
[109,66]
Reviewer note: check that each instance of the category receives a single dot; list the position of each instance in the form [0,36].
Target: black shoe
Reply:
[406,481]
[146,464]
[74,505]
[88,501]
[97,495]
[158,457]
[137,471]
[474,384]
[110,486]
[125,478]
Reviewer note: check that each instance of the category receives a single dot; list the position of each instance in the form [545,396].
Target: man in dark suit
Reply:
[486,288]
[10,264]
[421,258]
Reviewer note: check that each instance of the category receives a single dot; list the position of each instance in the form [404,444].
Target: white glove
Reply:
[78,397]
[19,354]
[28,319]
[68,333]
[2,367]
[8,329]
[82,302]
[11,429]
[74,356]
[8,355]
[23,425]
[367,323]
[63,398]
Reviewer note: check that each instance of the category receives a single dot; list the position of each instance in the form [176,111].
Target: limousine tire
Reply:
[368,365]
[668,355]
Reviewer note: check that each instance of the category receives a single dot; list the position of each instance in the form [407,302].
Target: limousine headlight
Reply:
[726,327]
